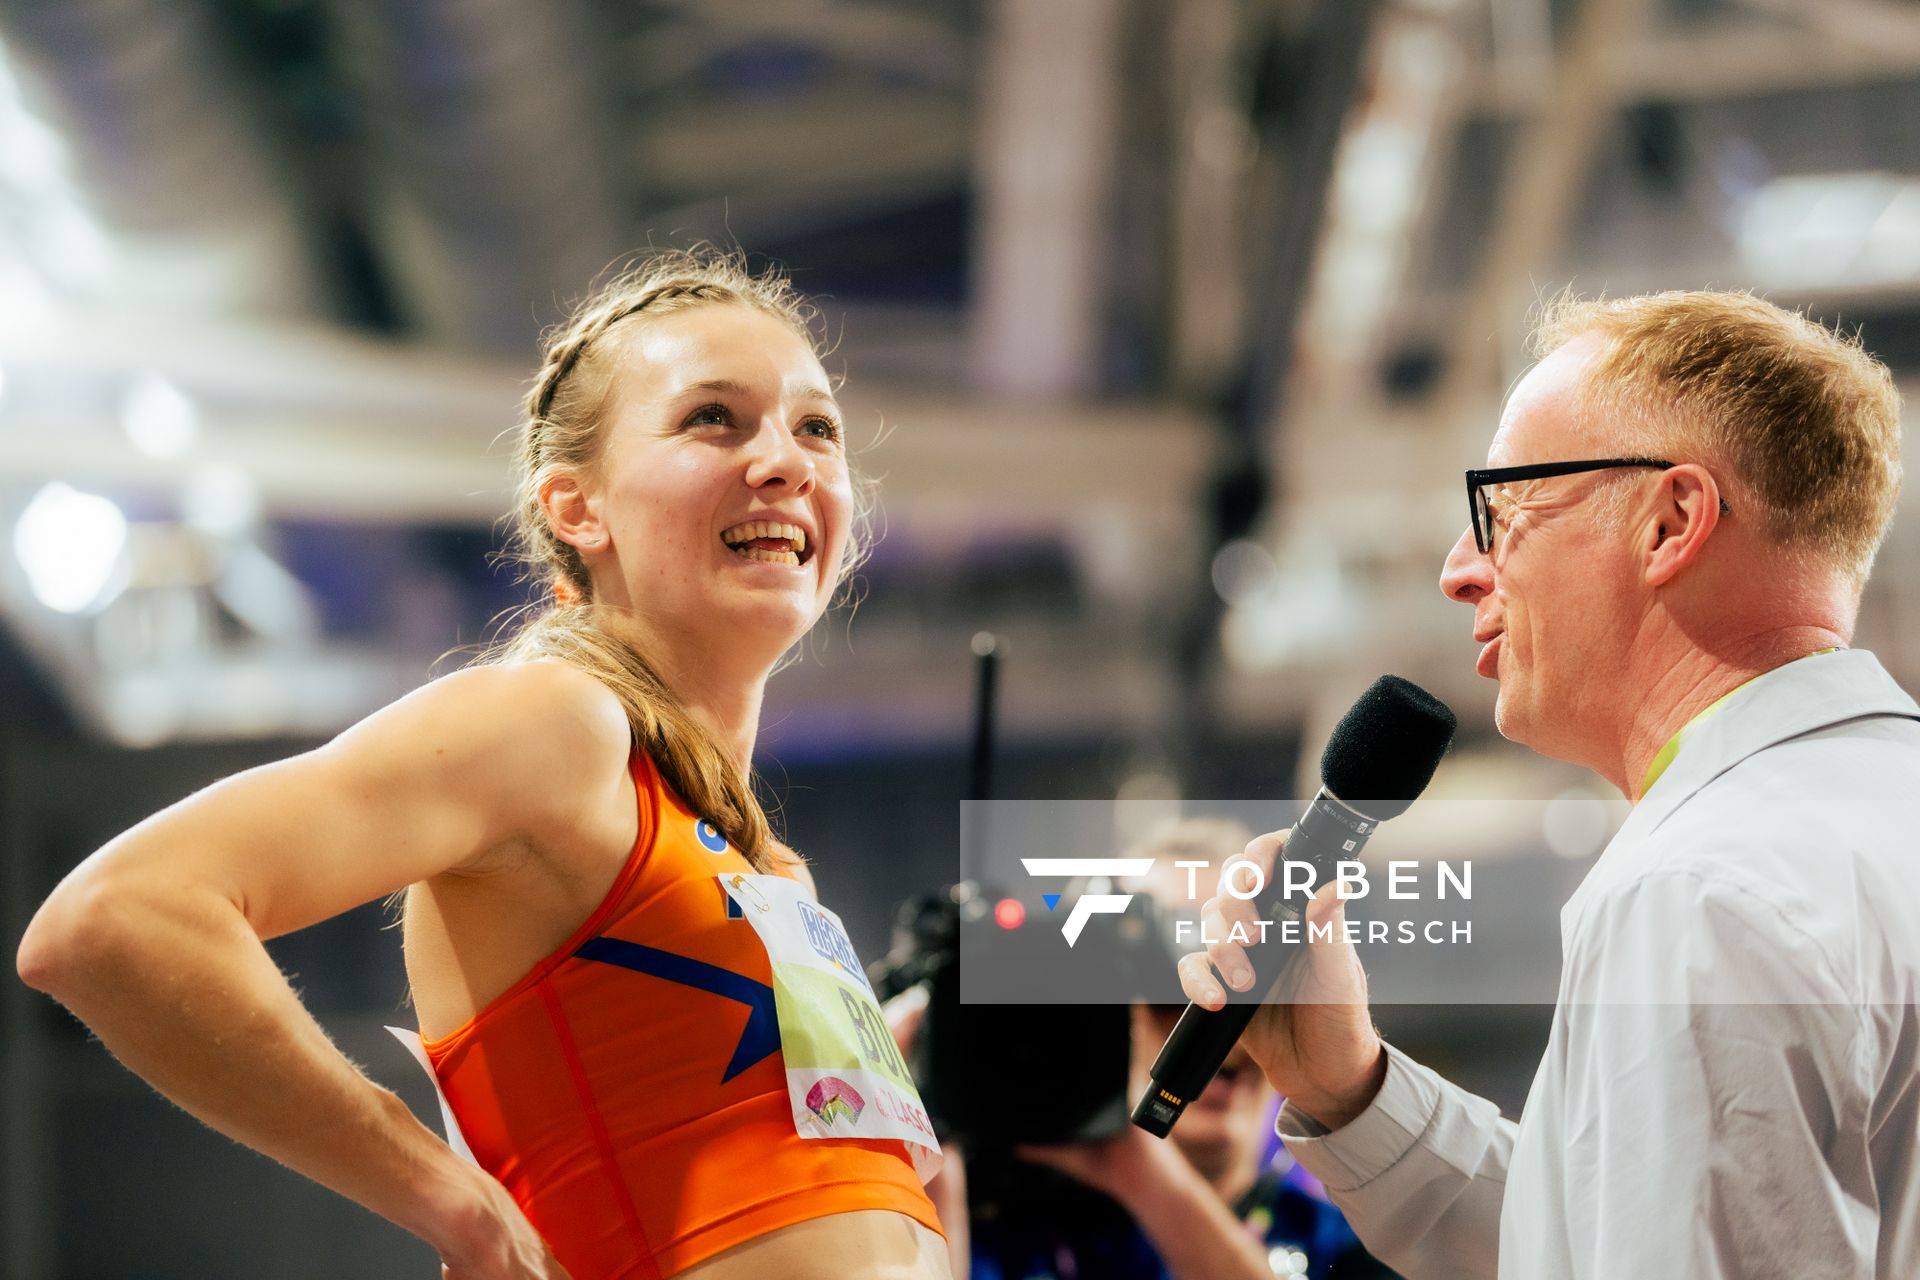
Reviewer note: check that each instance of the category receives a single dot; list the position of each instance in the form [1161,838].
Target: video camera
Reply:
[1039,1050]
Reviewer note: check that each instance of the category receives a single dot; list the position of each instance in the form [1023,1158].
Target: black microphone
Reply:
[1380,758]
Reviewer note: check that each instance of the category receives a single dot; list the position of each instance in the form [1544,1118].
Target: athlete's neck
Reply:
[728,708]
[720,687]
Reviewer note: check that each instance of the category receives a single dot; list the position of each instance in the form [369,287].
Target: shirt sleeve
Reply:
[1420,1173]
[1712,1100]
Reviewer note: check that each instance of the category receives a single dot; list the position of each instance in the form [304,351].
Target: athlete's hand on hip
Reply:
[492,1240]
[1313,1038]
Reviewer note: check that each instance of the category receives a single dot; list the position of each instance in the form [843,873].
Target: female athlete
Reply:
[657,1044]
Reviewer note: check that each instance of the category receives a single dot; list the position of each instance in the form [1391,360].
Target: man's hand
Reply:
[1314,1038]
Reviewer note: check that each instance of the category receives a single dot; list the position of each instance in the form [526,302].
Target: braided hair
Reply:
[560,431]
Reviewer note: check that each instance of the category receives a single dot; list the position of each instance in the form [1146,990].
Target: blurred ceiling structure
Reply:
[1159,315]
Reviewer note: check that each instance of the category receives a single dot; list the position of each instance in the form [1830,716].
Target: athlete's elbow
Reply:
[79,934]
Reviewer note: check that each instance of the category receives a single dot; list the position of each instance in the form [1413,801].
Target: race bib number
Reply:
[845,1076]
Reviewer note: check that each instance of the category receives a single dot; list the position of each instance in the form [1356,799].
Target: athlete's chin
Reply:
[776,619]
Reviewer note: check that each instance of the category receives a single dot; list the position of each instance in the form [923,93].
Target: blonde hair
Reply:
[560,431]
[1799,423]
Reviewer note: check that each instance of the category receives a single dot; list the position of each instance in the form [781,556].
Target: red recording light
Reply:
[1009,914]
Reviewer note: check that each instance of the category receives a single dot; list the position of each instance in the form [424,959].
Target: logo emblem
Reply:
[709,836]
[1090,904]
[831,1098]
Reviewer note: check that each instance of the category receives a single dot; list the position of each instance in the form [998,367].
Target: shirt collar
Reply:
[1804,695]
[1664,757]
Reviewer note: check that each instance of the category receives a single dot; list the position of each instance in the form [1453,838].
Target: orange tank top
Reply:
[629,1091]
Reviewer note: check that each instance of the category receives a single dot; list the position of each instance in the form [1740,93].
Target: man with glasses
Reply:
[1664,561]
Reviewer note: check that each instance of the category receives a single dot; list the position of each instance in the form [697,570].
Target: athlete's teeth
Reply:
[771,557]
[741,534]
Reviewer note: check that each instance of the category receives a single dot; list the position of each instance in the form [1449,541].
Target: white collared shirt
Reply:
[1731,1085]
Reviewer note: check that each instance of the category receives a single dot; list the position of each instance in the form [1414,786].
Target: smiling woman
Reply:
[658,1046]
[682,407]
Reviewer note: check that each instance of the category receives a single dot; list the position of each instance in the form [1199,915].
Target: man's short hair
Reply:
[1797,422]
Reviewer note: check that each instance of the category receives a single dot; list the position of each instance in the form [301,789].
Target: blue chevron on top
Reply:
[759,1039]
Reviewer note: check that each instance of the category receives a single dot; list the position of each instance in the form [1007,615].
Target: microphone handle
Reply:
[1328,832]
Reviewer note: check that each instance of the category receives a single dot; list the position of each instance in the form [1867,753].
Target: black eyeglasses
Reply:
[1478,482]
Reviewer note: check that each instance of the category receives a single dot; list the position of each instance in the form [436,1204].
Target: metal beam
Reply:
[1713,65]
[1859,24]
[1047,150]
[157,136]
[494,199]
[846,142]
[1548,164]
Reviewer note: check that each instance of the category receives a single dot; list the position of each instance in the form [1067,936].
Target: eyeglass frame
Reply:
[1479,479]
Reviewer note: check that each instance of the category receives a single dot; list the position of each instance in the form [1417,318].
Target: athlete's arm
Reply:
[155,941]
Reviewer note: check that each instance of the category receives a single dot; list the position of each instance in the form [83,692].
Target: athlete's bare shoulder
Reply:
[543,740]
[553,702]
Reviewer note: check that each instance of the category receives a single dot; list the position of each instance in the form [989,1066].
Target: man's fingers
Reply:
[1223,911]
[1197,981]
[1332,972]
[1326,902]
[1264,850]
[1218,916]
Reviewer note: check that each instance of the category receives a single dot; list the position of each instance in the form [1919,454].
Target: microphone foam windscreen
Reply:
[1384,751]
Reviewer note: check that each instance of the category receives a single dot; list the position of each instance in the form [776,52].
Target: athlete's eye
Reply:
[822,428]
[717,415]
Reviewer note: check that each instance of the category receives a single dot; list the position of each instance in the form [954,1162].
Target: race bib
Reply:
[845,1076]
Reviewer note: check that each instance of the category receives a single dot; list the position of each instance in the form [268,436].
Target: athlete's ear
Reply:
[572,512]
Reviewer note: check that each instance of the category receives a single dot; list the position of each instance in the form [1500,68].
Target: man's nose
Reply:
[1467,575]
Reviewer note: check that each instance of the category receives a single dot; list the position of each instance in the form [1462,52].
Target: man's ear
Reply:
[573,513]
[1686,511]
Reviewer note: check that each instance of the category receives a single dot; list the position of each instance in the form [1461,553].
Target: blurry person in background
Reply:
[1664,561]
[598,915]
[1217,1201]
